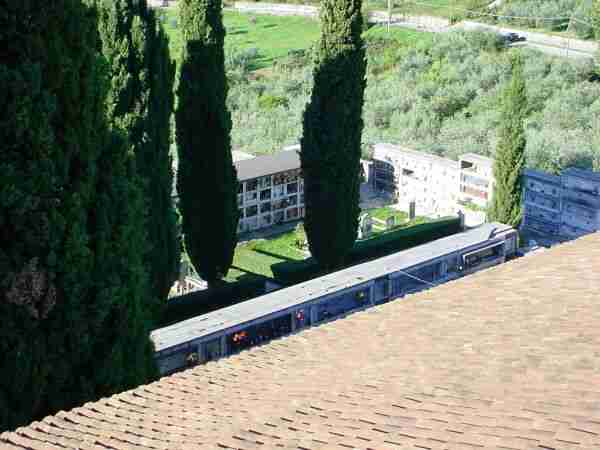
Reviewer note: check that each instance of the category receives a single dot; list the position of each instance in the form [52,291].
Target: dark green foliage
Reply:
[71,279]
[206,178]
[140,104]
[376,247]
[509,160]
[332,129]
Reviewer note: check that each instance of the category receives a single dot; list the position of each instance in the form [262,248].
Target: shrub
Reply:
[375,247]
[268,101]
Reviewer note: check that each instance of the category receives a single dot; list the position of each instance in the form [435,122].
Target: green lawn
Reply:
[401,35]
[272,36]
[256,257]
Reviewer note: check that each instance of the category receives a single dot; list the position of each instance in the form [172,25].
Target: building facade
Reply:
[437,185]
[564,206]
[271,190]
[476,179]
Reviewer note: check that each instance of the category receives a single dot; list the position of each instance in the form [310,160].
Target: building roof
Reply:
[474,157]
[400,150]
[544,176]
[237,155]
[207,324]
[506,358]
[287,159]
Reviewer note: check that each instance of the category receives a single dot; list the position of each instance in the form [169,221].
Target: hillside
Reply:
[434,93]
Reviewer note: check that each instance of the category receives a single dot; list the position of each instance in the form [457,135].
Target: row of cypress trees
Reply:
[330,146]
[89,241]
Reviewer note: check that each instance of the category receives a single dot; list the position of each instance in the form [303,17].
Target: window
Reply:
[265,220]
[278,217]
[251,185]
[251,211]
[292,188]
[280,204]
[301,211]
[251,196]
[265,195]
[240,188]
[241,213]
[265,207]
[278,191]
[278,179]
[293,200]
[265,182]
[292,213]
[301,199]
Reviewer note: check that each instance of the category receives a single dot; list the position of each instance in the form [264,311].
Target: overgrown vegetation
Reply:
[439,94]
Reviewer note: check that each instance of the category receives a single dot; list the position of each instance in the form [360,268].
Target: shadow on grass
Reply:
[233,33]
[274,255]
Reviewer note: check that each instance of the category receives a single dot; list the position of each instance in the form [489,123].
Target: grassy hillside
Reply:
[435,93]
[267,38]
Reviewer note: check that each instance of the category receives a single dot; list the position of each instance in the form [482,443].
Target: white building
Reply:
[437,185]
[476,179]
[271,189]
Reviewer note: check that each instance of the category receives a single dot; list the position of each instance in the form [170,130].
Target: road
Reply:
[551,45]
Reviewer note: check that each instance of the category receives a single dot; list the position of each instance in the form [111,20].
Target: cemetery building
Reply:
[562,206]
[436,185]
[476,179]
[271,189]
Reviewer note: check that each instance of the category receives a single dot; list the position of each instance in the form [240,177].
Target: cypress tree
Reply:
[140,103]
[332,129]
[206,177]
[70,278]
[509,161]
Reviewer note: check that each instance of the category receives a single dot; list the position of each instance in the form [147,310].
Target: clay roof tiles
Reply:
[506,358]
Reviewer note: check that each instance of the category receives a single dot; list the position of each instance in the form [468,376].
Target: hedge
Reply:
[381,245]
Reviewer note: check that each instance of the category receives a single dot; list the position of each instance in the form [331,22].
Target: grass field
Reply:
[273,37]
[257,257]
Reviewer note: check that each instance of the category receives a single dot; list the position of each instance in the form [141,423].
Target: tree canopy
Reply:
[509,161]
[206,177]
[332,129]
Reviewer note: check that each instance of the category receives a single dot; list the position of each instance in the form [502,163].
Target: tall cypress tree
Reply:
[206,177]
[70,275]
[331,141]
[140,103]
[509,161]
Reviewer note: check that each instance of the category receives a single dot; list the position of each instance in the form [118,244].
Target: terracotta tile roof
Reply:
[507,358]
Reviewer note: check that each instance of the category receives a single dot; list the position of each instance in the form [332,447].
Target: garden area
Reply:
[263,257]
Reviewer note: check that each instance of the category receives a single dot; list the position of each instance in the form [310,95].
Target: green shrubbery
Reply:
[553,15]
[381,245]
[440,95]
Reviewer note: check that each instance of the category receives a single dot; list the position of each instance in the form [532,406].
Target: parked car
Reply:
[513,37]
